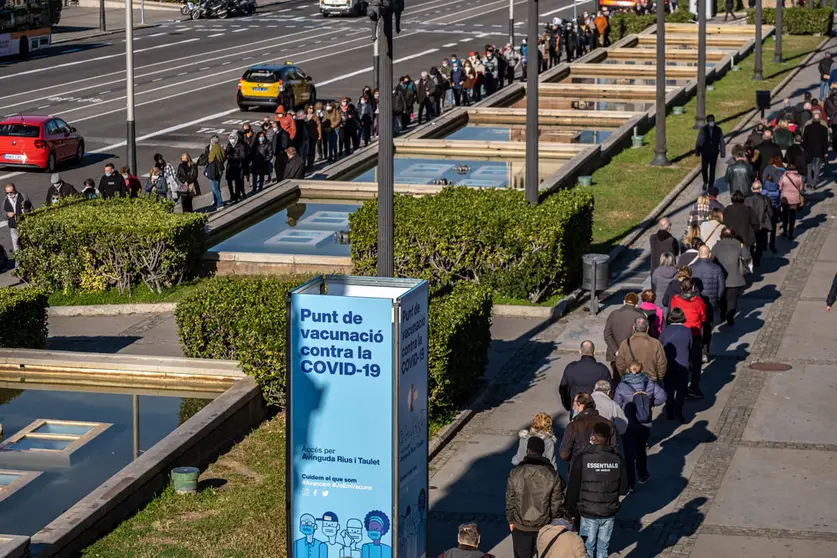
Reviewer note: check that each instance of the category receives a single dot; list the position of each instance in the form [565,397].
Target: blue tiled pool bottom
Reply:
[301,228]
[481,133]
[478,174]
[550,134]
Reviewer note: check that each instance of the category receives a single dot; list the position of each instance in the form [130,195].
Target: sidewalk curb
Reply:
[651,219]
[112,309]
[95,34]
[545,312]
[448,432]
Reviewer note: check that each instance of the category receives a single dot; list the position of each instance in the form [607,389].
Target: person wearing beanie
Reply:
[59,190]
[534,496]
[619,326]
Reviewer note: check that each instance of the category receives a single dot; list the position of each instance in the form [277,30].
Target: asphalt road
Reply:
[186,73]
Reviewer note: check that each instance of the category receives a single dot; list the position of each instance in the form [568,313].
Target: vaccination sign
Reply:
[357,463]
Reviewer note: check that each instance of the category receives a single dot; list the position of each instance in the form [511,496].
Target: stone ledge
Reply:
[112,309]
[14,546]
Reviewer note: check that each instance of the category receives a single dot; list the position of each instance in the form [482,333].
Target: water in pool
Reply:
[301,228]
[551,134]
[62,483]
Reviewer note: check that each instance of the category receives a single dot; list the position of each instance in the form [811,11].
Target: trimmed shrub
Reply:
[23,318]
[55,7]
[487,236]
[240,318]
[623,24]
[797,21]
[94,245]
[681,15]
[459,327]
[244,318]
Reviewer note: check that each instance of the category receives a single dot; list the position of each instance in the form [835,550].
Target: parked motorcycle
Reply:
[187,8]
[212,8]
[244,7]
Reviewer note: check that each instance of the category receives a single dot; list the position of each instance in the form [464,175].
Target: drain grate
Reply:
[771,366]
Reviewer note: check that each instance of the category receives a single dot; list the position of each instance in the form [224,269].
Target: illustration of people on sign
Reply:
[377,525]
[352,535]
[421,525]
[405,535]
[330,526]
[307,545]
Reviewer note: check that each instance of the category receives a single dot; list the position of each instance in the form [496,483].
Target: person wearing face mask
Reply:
[315,130]
[307,545]
[491,72]
[335,127]
[248,140]
[187,177]
[409,93]
[59,190]
[155,185]
[446,72]
[469,84]
[260,163]
[236,157]
[132,183]
[169,175]
[457,79]
[426,92]
[348,130]
[111,184]
[365,115]
[479,80]
[377,525]
[710,144]
[325,129]
[15,205]
[399,107]
[376,96]
[441,86]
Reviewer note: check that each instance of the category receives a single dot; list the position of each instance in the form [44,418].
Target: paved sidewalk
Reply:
[81,23]
[752,473]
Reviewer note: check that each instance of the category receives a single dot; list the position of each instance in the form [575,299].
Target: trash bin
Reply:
[594,277]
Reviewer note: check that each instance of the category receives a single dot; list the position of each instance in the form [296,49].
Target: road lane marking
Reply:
[214,35]
[449,45]
[158,34]
[98,58]
[577,3]
[240,30]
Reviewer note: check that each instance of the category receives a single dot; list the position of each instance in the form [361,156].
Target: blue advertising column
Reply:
[357,418]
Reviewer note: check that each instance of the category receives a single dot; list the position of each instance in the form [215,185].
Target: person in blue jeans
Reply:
[637,394]
[598,477]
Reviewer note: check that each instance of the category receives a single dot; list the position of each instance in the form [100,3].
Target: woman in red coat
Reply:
[692,305]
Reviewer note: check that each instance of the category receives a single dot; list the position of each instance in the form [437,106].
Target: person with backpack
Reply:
[637,394]
[760,205]
[771,177]
[643,348]
[652,312]
[596,481]
[534,495]
[468,542]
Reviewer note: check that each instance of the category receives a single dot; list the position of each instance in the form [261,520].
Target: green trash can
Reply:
[185,479]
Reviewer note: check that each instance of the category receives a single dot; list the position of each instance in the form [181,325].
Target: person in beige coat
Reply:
[559,539]
[644,349]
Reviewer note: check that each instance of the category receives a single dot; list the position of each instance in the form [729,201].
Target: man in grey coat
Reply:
[619,326]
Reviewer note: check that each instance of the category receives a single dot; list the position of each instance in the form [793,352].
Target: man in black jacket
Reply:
[764,152]
[577,434]
[534,495]
[112,184]
[597,478]
[295,166]
[662,242]
[582,374]
[824,68]
[741,174]
[710,144]
[796,153]
[815,140]
[59,190]
[742,220]
[761,207]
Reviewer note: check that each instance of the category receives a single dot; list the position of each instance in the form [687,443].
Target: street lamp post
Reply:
[700,109]
[511,22]
[532,106]
[386,148]
[376,64]
[102,15]
[131,143]
[757,69]
[660,158]
[777,55]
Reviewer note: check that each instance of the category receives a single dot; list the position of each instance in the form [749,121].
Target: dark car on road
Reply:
[270,86]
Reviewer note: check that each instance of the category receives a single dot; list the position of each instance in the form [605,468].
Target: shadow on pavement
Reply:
[88,344]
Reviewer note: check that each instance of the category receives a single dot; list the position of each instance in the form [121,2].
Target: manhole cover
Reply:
[771,366]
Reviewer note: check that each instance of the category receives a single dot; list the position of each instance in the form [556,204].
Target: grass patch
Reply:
[140,294]
[630,178]
[243,518]
[551,301]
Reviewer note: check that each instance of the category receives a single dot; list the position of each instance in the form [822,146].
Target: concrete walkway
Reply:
[752,473]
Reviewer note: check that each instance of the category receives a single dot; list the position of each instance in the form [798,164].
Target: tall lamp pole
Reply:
[381,12]
[700,109]
[511,22]
[777,54]
[757,69]
[376,64]
[102,15]
[532,130]
[660,158]
[131,144]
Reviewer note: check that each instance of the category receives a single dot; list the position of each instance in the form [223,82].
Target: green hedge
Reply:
[459,326]
[244,318]
[623,24]
[797,21]
[487,236]
[23,318]
[95,245]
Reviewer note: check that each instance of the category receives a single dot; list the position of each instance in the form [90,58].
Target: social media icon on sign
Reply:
[325,493]
[305,492]
[315,492]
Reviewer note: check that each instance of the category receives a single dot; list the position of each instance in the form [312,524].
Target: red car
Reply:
[38,142]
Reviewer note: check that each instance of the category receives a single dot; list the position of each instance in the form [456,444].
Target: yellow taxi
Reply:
[272,85]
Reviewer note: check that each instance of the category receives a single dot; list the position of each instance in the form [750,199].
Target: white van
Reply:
[343,7]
